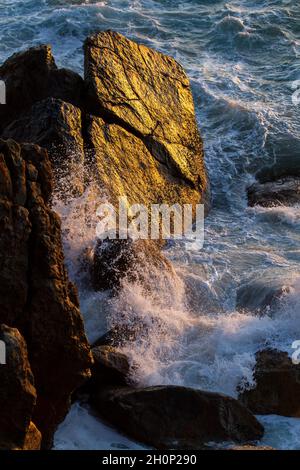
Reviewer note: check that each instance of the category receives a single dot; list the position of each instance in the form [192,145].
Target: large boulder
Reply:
[35,294]
[146,102]
[277,389]
[284,191]
[169,417]
[56,126]
[31,76]
[17,394]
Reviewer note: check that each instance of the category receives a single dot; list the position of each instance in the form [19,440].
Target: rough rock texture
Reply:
[125,167]
[32,76]
[117,261]
[56,126]
[277,389]
[33,438]
[35,293]
[176,417]
[149,95]
[284,191]
[17,394]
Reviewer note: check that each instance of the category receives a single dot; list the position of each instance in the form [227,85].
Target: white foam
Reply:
[83,430]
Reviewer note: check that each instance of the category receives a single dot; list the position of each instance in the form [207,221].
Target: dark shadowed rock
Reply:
[261,295]
[110,366]
[32,76]
[277,389]
[56,126]
[284,191]
[284,150]
[116,261]
[176,417]
[149,96]
[119,335]
[17,394]
[35,293]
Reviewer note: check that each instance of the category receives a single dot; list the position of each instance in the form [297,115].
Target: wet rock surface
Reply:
[171,417]
[35,294]
[264,294]
[55,125]
[118,261]
[277,388]
[284,191]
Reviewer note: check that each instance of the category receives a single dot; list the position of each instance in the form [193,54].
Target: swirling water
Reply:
[243,58]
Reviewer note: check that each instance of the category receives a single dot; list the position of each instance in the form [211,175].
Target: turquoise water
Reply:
[243,59]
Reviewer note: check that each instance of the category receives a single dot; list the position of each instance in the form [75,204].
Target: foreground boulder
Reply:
[169,417]
[35,294]
[17,395]
[277,389]
[284,191]
[148,122]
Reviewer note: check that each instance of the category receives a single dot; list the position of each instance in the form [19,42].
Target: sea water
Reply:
[243,60]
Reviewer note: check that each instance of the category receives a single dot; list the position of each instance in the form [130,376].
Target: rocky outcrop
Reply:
[35,293]
[56,126]
[17,394]
[169,417]
[284,191]
[146,148]
[145,100]
[131,124]
[32,76]
[277,388]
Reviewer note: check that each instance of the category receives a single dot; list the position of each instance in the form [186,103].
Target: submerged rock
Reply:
[263,295]
[117,261]
[35,294]
[284,191]
[121,334]
[172,417]
[17,395]
[277,388]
